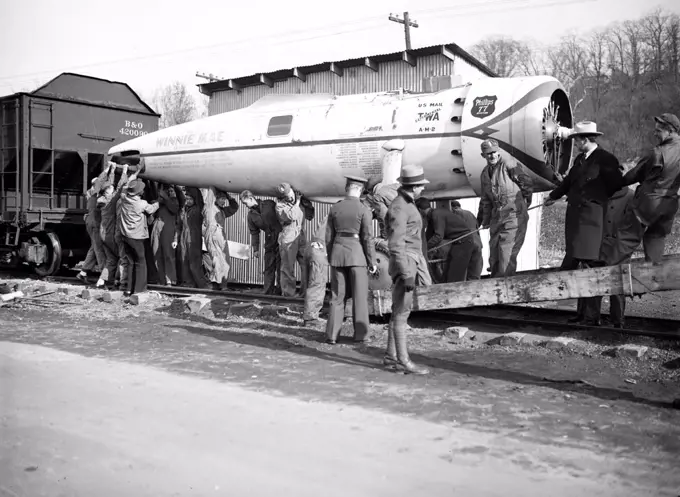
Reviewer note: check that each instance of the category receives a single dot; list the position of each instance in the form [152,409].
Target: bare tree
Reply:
[597,62]
[175,104]
[500,54]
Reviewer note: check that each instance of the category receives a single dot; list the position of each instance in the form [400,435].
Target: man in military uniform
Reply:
[408,266]
[656,198]
[505,199]
[262,217]
[350,252]
[593,178]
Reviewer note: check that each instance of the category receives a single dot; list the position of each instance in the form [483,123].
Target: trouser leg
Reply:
[288,253]
[475,264]
[359,281]
[271,266]
[300,256]
[157,250]
[98,246]
[458,261]
[136,252]
[617,309]
[337,309]
[111,252]
[653,245]
[168,256]
[494,240]
[317,270]
[123,261]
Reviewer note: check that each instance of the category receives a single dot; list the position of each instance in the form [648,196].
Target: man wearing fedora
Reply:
[407,267]
[505,199]
[595,176]
[350,252]
[135,230]
[656,198]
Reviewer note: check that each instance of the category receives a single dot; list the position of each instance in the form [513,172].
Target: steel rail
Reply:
[510,315]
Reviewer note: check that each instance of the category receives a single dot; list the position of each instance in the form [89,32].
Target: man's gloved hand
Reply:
[409,284]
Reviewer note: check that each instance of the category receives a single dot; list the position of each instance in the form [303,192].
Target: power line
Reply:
[374,20]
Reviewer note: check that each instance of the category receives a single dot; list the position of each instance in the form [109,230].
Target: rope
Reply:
[471,233]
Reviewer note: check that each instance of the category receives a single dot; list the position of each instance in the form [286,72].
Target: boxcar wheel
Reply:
[51,240]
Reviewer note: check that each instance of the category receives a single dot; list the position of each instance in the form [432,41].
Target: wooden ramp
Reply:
[636,278]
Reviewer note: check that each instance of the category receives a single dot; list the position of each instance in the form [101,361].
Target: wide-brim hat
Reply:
[135,187]
[585,128]
[412,175]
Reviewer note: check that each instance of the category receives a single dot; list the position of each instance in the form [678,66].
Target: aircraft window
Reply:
[279,125]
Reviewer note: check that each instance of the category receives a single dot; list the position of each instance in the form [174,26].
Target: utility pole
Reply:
[408,24]
[210,77]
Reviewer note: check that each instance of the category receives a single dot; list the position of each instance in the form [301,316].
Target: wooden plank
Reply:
[636,278]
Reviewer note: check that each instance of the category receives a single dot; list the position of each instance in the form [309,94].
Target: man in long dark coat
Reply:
[594,177]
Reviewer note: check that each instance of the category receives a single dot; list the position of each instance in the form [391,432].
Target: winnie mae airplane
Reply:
[313,140]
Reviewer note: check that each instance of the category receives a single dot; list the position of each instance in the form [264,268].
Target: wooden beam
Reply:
[234,85]
[448,53]
[299,74]
[626,279]
[408,58]
[370,63]
[266,80]
[336,69]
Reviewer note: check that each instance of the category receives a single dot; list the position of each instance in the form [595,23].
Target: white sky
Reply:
[148,43]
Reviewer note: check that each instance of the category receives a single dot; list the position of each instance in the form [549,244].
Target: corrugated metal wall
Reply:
[390,76]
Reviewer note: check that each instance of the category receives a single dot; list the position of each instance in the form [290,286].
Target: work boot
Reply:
[411,368]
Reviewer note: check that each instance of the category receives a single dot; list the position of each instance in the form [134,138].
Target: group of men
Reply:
[126,252]
[605,221]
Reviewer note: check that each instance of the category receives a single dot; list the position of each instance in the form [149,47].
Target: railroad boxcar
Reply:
[53,141]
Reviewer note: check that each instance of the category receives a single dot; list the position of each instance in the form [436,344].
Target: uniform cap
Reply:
[489,146]
[245,194]
[284,189]
[412,175]
[669,119]
[360,180]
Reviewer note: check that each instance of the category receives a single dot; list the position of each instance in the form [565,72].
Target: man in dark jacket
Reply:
[262,217]
[466,257]
[408,266]
[594,177]
[656,198]
[350,251]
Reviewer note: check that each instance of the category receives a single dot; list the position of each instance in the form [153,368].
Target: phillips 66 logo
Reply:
[484,106]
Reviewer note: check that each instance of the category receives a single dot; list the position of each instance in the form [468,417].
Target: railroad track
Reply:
[512,316]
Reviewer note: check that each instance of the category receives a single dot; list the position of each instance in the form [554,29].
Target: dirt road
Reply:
[112,399]
[85,426]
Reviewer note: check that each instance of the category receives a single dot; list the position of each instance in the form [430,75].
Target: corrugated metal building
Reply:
[424,69]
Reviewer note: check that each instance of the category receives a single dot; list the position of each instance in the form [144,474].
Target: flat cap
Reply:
[669,119]
[489,146]
[284,189]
